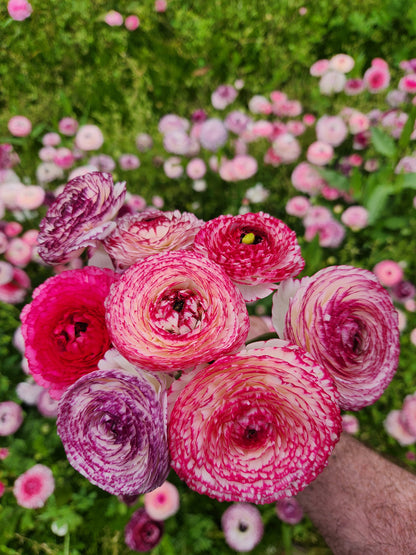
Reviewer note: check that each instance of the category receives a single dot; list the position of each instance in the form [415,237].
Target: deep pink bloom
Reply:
[255,250]
[142,533]
[11,417]
[112,423]
[19,9]
[377,78]
[64,327]
[356,334]
[4,453]
[138,236]
[289,510]
[163,311]
[389,272]
[132,22]
[162,502]
[34,487]
[283,438]
[80,216]
[19,126]
[242,526]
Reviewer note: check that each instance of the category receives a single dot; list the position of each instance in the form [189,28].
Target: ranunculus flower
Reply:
[355,217]
[332,82]
[242,526]
[394,426]
[11,417]
[213,134]
[47,406]
[174,310]
[138,236]
[80,216]
[350,423]
[287,147]
[319,153]
[64,327]
[355,333]
[14,291]
[255,250]
[298,206]
[34,487]
[223,96]
[132,22]
[142,533]
[377,78]
[68,126]
[112,424]
[256,426]
[342,63]
[162,502]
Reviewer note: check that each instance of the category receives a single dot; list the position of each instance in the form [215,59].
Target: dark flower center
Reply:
[69,332]
[242,526]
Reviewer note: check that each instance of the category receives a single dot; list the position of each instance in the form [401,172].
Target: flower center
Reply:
[180,311]
[32,486]
[242,526]
[71,332]
[250,238]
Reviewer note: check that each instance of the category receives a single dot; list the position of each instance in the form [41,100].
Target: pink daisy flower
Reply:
[34,487]
[162,502]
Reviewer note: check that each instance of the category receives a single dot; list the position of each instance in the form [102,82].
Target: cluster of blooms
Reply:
[222,143]
[131,22]
[144,349]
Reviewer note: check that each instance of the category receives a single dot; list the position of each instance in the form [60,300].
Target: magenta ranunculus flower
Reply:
[143,533]
[255,250]
[355,331]
[174,310]
[256,426]
[112,424]
[34,487]
[138,236]
[64,327]
[80,216]
[242,526]
[11,417]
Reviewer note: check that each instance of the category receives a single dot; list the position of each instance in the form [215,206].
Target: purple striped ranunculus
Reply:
[346,320]
[175,310]
[256,426]
[80,216]
[112,424]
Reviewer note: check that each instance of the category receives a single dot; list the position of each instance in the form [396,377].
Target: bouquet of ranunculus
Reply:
[145,347]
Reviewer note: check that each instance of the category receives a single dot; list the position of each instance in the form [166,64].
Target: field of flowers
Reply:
[184,163]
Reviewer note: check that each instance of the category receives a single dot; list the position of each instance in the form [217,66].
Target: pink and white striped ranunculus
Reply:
[112,424]
[80,216]
[174,310]
[138,236]
[256,426]
[256,251]
[347,321]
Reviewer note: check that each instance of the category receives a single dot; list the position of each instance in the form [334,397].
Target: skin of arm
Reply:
[362,503]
